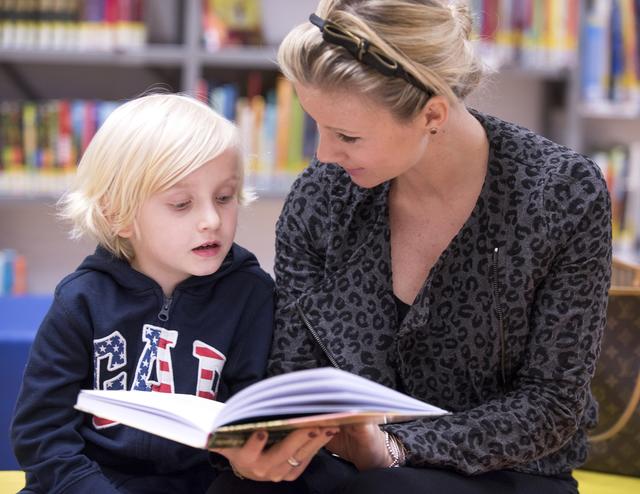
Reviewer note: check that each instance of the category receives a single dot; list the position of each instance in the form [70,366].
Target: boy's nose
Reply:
[209,219]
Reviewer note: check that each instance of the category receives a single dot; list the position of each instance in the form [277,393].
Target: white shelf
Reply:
[255,57]
[165,55]
[610,110]
[18,186]
[538,72]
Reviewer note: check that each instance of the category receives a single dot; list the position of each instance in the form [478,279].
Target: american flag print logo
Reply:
[155,371]
[210,364]
[113,349]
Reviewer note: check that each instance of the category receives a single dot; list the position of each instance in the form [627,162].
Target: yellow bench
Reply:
[589,483]
[604,483]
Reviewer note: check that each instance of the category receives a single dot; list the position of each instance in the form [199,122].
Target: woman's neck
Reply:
[454,164]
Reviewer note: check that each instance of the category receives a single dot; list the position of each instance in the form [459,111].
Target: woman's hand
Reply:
[284,460]
[363,445]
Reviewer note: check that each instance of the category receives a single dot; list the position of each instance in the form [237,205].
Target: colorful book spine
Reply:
[611,54]
[620,166]
[13,273]
[534,34]
[71,24]
[278,138]
[41,142]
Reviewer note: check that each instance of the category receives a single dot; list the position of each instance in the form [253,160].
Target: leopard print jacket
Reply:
[506,330]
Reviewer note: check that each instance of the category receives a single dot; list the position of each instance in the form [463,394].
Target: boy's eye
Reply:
[347,139]
[181,205]
[224,199]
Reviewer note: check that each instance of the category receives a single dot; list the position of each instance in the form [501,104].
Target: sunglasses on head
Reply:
[364,51]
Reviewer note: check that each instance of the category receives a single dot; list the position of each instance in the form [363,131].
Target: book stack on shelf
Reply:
[277,136]
[41,142]
[251,22]
[13,273]
[532,35]
[107,25]
[610,65]
[621,168]
[231,22]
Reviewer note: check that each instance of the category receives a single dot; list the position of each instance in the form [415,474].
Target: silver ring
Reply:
[293,462]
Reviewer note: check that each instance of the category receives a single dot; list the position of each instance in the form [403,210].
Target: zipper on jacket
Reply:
[496,294]
[163,315]
[317,338]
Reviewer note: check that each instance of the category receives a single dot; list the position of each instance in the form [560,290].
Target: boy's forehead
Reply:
[212,171]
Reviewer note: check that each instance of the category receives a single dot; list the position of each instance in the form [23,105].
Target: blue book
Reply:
[616,74]
[6,284]
[594,54]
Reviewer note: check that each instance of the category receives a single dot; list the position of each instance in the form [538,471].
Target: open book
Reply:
[306,398]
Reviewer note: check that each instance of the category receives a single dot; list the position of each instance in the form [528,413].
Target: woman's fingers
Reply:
[298,461]
[285,460]
[250,452]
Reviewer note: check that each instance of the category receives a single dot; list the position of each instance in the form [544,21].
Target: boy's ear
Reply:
[126,232]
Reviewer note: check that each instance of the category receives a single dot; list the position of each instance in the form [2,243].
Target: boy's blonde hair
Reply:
[144,146]
[429,38]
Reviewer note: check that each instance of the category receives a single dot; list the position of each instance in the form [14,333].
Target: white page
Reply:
[180,417]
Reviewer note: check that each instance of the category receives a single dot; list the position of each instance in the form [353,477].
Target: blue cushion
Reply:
[21,317]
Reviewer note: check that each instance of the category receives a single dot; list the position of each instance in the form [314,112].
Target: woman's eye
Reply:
[223,199]
[347,139]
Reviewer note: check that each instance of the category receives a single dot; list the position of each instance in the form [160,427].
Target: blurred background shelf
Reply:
[536,84]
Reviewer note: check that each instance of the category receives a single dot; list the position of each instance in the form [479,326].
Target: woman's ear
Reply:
[435,114]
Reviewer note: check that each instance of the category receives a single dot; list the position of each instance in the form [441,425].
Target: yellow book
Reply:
[256,163]
[295,160]
[284,100]
[630,81]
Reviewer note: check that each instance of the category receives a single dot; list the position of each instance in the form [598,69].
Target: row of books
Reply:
[610,65]
[621,168]
[533,34]
[46,139]
[278,137]
[47,136]
[13,273]
[78,25]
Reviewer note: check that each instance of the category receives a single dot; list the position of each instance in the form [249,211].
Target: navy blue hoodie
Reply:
[111,327]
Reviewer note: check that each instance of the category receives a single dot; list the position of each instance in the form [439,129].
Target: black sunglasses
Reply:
[364,51]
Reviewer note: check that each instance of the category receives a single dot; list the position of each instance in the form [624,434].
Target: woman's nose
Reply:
[328,150]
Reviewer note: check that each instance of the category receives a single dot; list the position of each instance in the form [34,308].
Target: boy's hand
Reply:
[285,460]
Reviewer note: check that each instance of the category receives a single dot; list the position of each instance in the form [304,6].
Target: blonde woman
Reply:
[167,303]
[443,252]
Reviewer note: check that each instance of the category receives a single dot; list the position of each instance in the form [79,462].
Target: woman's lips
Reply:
[354,171]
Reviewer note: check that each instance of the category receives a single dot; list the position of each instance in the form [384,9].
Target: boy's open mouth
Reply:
[207,247]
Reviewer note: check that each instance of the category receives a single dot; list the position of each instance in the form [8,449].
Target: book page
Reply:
[180,417]
[319,390]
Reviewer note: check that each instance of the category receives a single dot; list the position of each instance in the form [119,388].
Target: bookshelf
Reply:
[543,96]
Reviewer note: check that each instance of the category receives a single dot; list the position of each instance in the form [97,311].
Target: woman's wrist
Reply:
[395,449]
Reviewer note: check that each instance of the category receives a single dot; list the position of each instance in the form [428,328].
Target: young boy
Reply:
[167,303]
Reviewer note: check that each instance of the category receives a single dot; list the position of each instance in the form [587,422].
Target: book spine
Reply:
[595,52]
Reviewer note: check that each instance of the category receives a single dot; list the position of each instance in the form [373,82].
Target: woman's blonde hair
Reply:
[144,146]
[429,38]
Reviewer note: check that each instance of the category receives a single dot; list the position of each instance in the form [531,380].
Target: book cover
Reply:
[307,398]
